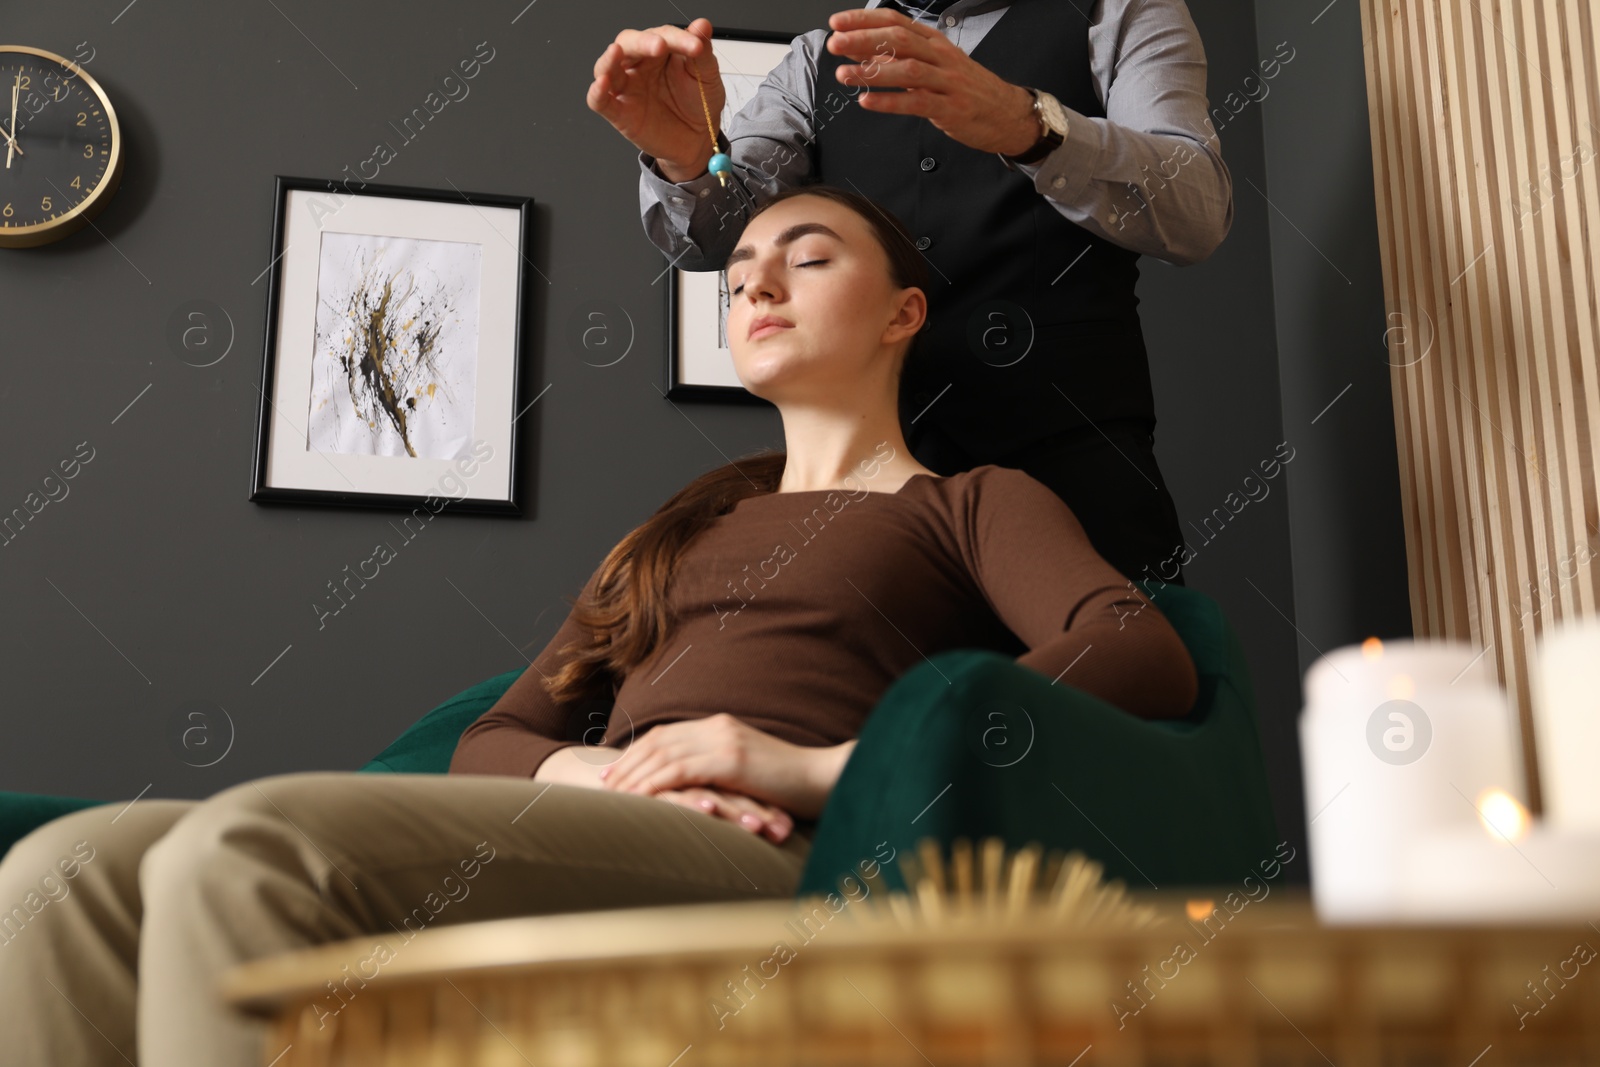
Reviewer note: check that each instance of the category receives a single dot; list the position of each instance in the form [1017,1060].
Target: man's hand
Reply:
[644,85]
[944,85]
[772,823]
[721,750]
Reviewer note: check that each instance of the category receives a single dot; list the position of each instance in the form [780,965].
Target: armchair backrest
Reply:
[428,744]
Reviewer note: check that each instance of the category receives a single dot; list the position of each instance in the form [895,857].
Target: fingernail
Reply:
[750,820]
[708,803]
[605,772]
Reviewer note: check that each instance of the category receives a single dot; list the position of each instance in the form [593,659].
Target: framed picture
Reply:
[699,361]
[394,339]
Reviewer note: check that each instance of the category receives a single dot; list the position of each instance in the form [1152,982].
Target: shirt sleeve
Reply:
[526,726]
[1085,624]
[696,223]
[1149,176]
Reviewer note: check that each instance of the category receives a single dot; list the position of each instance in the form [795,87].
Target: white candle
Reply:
[1396,740]
[1565,694]
[1366,670]
[1471,874]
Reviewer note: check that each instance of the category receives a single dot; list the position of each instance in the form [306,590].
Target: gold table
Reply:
[898,982]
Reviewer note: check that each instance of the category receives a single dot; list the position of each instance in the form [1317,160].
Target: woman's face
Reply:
[816,267]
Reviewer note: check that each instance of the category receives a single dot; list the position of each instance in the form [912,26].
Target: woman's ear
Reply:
[909,316]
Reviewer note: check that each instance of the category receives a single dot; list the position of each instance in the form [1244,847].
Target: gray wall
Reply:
[155,584]
[1345,518]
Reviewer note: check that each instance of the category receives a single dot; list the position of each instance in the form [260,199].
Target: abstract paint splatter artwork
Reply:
[394,370]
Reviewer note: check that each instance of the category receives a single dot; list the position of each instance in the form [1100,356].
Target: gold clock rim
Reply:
[41,233]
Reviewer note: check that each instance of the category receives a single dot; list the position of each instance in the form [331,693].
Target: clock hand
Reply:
[11,137]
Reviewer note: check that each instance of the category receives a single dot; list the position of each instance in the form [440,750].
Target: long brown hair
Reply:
[626,617]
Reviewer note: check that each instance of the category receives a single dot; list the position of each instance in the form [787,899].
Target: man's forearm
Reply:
[1149,175]
[690,220]
[1166,196]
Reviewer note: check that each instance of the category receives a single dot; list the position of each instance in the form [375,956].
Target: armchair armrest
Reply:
[22,813]
[998,750]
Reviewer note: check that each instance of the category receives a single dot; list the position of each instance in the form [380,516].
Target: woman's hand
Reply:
[721,750]
[581,766]
[770,822]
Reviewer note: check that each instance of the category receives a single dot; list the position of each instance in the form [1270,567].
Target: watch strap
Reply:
[1049,140]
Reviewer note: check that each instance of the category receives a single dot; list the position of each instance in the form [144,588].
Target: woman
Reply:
[726,653]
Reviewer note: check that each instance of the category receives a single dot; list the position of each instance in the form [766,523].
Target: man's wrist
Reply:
[678,174]
[1029,128]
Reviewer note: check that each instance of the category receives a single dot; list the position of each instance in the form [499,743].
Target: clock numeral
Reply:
[88,151]
[82,118]
[45,205]
[7,212]
[77,183]
[25,84]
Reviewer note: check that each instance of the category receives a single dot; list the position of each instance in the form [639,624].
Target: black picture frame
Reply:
[402,489]
[681,385]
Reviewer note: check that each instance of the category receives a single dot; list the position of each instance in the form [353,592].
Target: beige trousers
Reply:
[116,921]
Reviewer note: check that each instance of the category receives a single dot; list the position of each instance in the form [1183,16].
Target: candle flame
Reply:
[1371,648]
[1401,687]
[1503,815]
[1199,909]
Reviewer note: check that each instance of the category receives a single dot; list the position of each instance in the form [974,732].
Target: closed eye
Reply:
[807,263]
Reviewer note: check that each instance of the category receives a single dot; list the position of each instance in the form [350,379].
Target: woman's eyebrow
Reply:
[799,229]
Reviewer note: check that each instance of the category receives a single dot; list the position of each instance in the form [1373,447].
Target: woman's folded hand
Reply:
[770,822]
[724,751]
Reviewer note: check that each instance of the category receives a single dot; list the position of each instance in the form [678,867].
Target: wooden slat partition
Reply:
[1485,144]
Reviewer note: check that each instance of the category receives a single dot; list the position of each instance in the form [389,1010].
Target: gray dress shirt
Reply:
[1119,177]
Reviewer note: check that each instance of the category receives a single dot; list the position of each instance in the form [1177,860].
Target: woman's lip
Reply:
[768,328]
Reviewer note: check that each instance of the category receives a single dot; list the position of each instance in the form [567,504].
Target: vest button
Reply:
[928,163]
[923,242]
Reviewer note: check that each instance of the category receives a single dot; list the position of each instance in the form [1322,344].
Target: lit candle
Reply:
[1397,740]
[1506,869]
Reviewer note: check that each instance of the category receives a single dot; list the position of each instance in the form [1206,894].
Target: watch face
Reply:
[58,149]
[1054,115]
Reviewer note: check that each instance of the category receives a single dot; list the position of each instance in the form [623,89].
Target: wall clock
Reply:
[60,147]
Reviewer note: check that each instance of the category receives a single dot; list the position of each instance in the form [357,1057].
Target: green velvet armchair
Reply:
[969,744]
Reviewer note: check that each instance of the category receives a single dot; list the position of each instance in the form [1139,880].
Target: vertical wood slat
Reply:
[1486,150]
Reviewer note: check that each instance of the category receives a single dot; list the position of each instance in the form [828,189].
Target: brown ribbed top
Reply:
[796,611]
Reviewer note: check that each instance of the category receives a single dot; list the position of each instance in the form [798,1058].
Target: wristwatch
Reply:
[1052,129]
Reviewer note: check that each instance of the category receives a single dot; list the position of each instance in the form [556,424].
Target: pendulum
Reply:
[720,164]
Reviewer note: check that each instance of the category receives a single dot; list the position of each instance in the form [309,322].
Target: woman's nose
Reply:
[761,282]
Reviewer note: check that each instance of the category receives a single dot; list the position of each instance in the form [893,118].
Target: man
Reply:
[1035,148]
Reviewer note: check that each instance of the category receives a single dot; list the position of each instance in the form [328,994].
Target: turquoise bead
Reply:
[720,164]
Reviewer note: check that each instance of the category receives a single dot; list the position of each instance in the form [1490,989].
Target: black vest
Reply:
[1031,317]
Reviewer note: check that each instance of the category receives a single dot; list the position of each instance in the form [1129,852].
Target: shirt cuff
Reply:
[1066,171]
[678,198]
